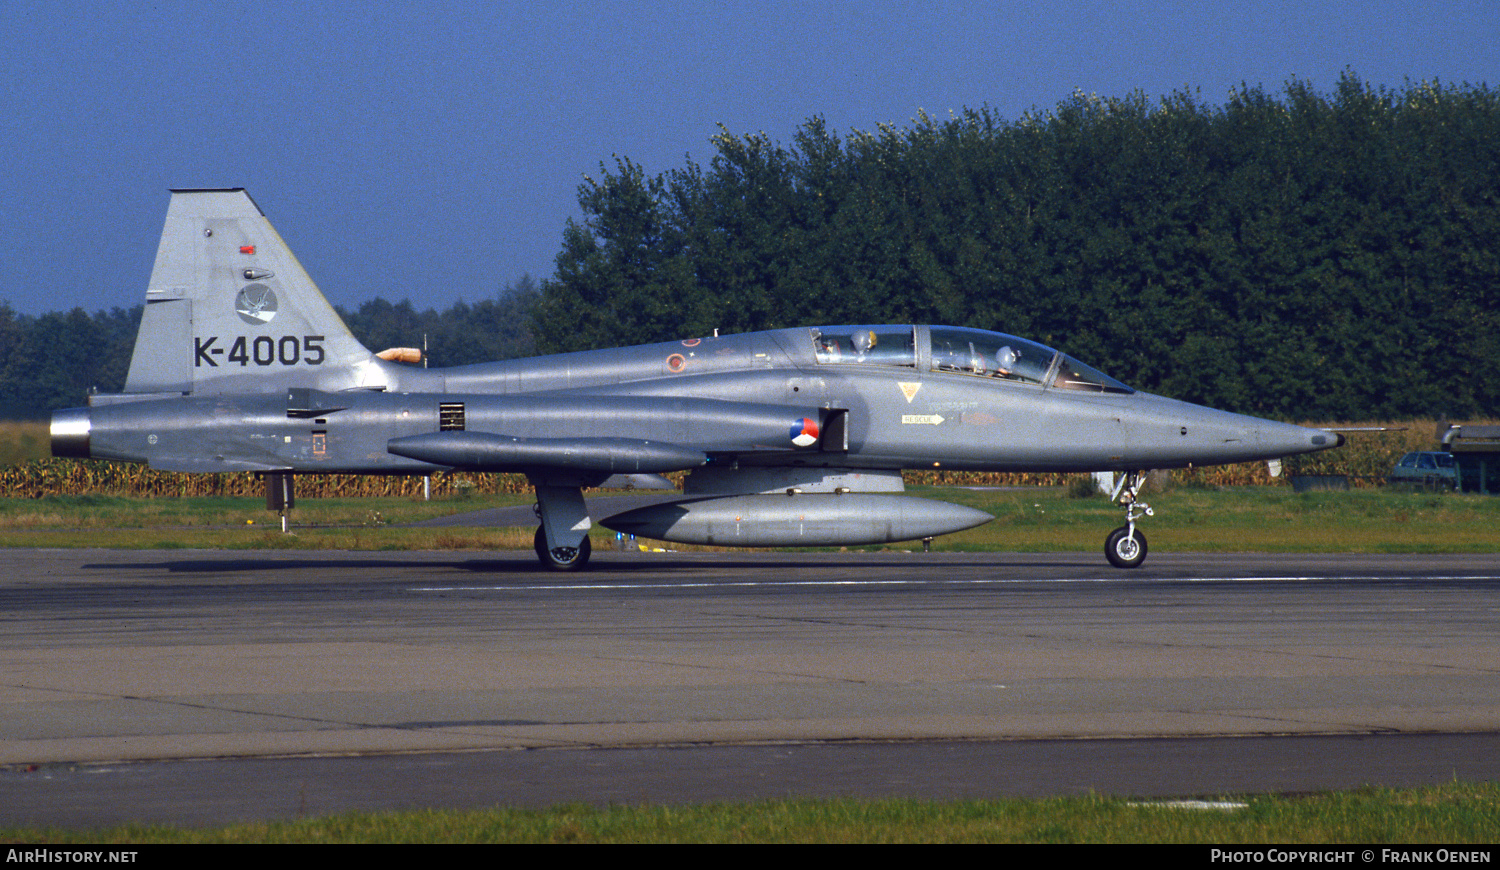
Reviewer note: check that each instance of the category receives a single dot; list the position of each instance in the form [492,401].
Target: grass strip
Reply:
[1038,519]
[1452,814]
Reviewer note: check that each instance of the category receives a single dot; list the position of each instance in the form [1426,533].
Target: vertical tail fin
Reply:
[229,309]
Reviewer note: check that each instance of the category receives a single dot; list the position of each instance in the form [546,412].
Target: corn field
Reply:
[1366,459]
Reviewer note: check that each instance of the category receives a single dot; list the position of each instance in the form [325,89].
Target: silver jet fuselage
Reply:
[731,398]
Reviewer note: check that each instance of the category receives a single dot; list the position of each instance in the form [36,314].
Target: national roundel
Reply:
[805,432]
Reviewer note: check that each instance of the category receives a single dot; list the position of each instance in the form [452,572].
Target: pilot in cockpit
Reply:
[1005,359]
[864,342]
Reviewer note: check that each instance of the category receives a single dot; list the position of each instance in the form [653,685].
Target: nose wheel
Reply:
[1126,546]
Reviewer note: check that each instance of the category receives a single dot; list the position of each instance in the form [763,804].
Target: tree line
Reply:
[1294,254]
[52,360]
[1297,254]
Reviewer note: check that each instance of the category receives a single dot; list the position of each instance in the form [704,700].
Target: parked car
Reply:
[1430,469]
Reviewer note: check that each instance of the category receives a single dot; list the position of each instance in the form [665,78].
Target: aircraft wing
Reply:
[485,451]
[211,464]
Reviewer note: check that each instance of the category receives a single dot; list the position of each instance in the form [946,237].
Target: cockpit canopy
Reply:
[960,350]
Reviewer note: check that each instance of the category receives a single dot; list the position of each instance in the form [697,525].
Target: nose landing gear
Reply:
[1126,547]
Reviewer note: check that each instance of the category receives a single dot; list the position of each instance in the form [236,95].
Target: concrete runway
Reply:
[679,675]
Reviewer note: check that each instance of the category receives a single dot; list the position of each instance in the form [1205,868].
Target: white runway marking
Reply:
[808,584]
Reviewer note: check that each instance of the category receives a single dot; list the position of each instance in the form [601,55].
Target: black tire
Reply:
[1122,550]
[550,561]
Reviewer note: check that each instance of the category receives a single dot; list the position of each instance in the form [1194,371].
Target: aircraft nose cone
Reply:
[1168,432]
[1285,439]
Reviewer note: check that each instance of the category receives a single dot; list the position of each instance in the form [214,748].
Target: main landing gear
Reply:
[1126,547]
[562,540]
[561,558]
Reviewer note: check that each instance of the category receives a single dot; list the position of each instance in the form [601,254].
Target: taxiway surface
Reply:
[130,655]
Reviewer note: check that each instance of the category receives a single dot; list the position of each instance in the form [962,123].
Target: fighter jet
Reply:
[792,437]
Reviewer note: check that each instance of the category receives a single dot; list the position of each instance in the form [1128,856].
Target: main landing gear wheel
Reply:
[563,558]
[1125,550]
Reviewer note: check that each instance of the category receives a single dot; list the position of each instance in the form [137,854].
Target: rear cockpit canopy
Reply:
[866,345]
[959,350]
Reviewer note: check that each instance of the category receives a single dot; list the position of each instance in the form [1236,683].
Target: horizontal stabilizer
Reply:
[484,451]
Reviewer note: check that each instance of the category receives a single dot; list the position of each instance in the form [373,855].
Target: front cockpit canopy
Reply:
[960,350]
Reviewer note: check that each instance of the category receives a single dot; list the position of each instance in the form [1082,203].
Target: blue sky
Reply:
[433,150]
